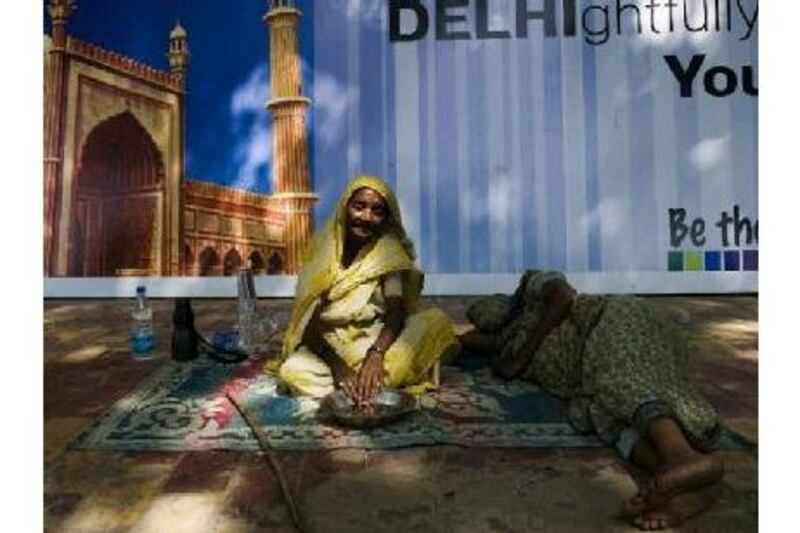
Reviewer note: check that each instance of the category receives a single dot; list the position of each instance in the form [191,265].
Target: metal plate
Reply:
[389,406]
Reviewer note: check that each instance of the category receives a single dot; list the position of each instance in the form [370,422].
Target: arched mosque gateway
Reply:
[117,199]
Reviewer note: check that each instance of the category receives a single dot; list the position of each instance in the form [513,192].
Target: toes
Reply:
[651,522]
[656,492]
[657,524]
[634,506]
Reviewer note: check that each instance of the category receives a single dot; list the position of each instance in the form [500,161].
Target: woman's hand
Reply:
[345,378]
[370,377]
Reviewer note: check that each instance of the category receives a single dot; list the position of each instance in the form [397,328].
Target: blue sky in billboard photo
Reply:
[227,128]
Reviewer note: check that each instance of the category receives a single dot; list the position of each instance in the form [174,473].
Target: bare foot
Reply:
[679,509]
[634,507]
[693,471]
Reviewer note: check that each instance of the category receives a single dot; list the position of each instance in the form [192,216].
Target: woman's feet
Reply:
[634,506]
[689,472]
[693,471]
[679,509]
[678,491]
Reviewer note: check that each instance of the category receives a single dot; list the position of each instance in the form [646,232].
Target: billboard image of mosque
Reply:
[117,198]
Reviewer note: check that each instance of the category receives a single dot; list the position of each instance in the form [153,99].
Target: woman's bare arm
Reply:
[558,296]
[370,379]
[393,323]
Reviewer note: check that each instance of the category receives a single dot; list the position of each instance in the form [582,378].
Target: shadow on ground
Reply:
[87,368]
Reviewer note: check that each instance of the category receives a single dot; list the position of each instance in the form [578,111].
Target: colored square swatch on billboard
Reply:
[713,261]
[750,260]
[693,261]
[732,260]
[675,261]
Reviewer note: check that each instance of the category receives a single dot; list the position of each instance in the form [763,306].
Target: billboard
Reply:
[613,140]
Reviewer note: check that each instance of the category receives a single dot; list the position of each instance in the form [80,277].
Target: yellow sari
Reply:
[352,316]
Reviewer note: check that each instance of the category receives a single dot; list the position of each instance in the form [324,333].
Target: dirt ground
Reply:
[87,367]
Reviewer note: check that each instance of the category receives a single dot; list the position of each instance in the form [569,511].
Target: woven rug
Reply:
[183,406]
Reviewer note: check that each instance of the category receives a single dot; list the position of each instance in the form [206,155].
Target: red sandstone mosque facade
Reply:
[117,201]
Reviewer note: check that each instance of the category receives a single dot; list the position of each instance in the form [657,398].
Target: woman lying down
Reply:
[622,367]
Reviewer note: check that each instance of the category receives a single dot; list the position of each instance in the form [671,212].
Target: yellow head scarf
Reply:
[323,274]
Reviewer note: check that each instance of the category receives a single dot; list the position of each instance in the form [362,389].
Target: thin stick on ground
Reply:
[263,442]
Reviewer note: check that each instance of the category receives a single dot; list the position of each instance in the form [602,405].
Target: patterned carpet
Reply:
[184,407]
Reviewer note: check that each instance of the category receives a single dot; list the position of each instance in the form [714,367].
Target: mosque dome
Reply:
[177,32]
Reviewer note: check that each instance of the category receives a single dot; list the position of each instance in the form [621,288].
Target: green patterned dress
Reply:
[618,361]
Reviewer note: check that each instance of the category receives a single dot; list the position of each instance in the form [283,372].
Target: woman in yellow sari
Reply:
[355,323]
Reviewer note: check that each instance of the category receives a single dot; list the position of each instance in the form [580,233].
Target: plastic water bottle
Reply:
[247,315]
[142,339]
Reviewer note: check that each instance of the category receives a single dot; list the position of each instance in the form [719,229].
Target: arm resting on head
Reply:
[558,297]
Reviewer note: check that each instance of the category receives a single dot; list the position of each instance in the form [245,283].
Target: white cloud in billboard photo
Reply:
[369,12]
[252,151]
[708,154]
[251,96]
[499,197]
[608,215]
[251,126]
[331,102]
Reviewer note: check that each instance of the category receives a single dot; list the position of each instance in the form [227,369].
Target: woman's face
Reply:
[366,213]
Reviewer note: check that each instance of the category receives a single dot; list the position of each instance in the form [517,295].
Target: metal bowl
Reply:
[389,406]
